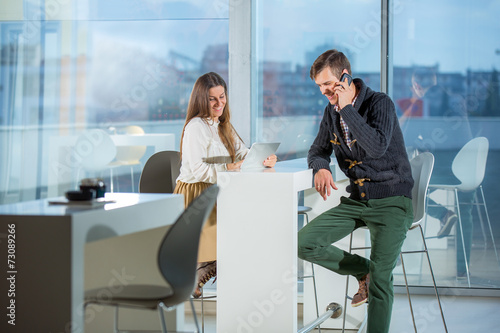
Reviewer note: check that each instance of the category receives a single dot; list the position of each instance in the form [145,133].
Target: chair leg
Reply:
[313,275]
[346,289]
[408,292]
[489,223]
[111,185]
[162,318]
[132,178]
[462,236]
[202,313]
[315,294]
[477,204]
[116,329]
[314,281]
[194,315]
[433,280]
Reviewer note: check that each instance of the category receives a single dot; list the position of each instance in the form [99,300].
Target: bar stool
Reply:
[302,210]
[421,168]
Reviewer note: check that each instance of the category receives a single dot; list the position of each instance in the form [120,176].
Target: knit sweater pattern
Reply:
[377,164]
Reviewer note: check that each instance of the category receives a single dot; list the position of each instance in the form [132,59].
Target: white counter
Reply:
[49,254]
[257,250]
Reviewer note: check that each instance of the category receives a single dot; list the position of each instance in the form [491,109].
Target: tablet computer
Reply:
[258,153]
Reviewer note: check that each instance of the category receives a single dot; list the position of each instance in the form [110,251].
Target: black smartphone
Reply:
[346,76]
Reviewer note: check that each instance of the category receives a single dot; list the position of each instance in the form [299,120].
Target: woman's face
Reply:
[217,97]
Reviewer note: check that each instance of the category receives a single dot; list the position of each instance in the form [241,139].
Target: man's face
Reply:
[326,81]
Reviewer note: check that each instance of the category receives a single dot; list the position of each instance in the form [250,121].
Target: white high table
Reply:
[257,249]
[49,255]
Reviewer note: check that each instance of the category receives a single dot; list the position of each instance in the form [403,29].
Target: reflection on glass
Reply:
[72,66]
[446,91]
[290,38]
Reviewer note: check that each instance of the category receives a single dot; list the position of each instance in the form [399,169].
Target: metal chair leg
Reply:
[433,279]
[162,318]
[313,276]
[346,289]
[481,222]
[408,292]
[202,313]
[116,320]
[489,223]
[194,314]
[462,236]
[132,178]
[315,294]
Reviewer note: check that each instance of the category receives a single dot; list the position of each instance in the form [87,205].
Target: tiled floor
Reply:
[462,314]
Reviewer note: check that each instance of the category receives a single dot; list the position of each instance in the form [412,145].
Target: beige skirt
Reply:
[208,240]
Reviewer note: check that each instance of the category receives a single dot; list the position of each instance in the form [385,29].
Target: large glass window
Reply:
[290,36]
[446,90]
[124,67]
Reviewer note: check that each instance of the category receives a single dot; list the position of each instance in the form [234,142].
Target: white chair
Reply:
[469,166]
[130,155]
[176,262]
[421,169]
[95,150]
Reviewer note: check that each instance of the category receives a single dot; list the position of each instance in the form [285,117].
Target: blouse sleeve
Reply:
[241,149]
[195,145]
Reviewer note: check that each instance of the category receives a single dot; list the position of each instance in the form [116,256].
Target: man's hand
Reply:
[345,93]
[323,181]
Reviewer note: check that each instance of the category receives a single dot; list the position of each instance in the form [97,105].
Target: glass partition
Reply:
[290,36]
[124,67]
[446,90]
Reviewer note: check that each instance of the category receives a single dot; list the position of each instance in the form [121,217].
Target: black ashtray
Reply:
[79,195]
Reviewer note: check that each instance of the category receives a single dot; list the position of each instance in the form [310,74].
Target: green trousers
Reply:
[388,220]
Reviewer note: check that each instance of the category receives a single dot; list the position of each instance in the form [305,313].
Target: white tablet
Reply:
[258,153]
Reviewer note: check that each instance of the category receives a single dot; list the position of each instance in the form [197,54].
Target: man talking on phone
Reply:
[361,127]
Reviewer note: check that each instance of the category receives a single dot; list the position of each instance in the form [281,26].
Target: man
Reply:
[361,127]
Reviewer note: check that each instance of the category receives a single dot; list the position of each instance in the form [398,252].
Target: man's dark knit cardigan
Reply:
[377,165]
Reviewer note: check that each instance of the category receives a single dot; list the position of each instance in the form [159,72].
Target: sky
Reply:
[456,34]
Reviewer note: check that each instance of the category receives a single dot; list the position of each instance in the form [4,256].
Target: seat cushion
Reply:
[146,296]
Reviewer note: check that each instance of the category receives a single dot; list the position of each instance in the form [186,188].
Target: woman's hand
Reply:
[270,161]
[234,166]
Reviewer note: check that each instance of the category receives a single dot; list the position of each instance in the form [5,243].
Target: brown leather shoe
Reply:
[361,296]
[206,271]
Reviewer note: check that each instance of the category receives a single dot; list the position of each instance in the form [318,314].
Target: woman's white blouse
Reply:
[203,153]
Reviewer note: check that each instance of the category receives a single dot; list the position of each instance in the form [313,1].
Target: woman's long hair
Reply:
[199,106]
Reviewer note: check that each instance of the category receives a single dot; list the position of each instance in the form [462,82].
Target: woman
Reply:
[209,143]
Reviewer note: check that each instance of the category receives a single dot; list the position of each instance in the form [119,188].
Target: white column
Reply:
[240,66]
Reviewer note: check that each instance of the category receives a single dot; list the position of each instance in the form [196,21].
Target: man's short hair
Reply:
[333,59]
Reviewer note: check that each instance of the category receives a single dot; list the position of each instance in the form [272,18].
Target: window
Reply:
[290,36]
[446,90]
[71,66]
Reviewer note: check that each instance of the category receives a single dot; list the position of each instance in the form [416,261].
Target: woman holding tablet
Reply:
[209,143]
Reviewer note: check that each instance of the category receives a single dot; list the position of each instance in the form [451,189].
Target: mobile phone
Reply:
[346,76]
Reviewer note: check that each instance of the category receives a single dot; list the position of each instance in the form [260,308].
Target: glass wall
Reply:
[290,36]
[71,66]
[443,80]
[446,89]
